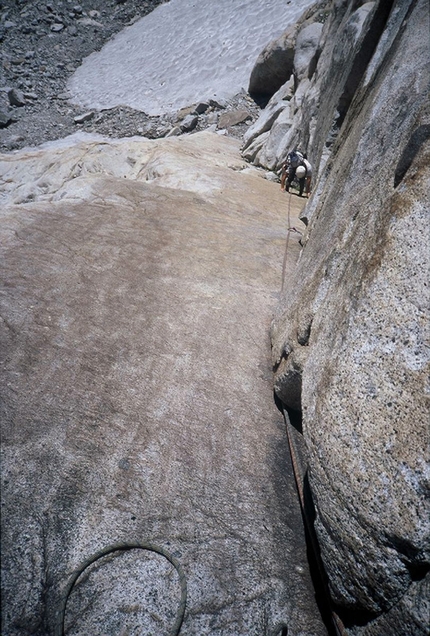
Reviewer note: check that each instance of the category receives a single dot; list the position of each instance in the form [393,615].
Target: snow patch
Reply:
[183,52]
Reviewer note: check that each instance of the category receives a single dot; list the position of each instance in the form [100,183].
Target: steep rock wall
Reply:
[275,64]
[323,89]
[349,336]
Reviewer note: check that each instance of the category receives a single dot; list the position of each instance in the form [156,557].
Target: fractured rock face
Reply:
[329,62]
[350,340]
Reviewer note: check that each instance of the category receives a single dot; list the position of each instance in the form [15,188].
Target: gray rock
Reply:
[306,50]
[189,123]
[201,108]
[16,97]
[162,130]
[349,336]
[276,143]
[253,148]
[14,141]
[233,117]
[81,119]
[174,132]
[27,29]
[274,108]
[183,112]
[274,65]
[5,119]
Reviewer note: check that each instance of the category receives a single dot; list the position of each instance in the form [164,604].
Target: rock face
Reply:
[139,279]
[326,75]
[349,337]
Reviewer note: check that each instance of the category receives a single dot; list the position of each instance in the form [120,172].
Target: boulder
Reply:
[189,123]
[16,97]
[274,65]
[201,108]
[184,112]
[306,50]
[349,335]
[233,117]
[81,119]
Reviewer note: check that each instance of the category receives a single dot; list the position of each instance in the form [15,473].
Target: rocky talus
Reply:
[42,45]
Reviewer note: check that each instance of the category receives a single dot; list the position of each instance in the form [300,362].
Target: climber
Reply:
[297,166]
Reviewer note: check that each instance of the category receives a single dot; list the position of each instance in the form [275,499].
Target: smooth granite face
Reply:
[139,283]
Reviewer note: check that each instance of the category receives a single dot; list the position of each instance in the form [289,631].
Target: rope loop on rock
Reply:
[281,629]
[122,547]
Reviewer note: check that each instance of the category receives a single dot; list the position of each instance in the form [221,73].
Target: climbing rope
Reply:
[289,231]
[121,547]
[281,629]
[284,264]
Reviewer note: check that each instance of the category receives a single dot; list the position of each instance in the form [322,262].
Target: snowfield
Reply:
[183,52]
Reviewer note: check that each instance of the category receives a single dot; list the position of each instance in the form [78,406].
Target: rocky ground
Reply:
[42,44]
